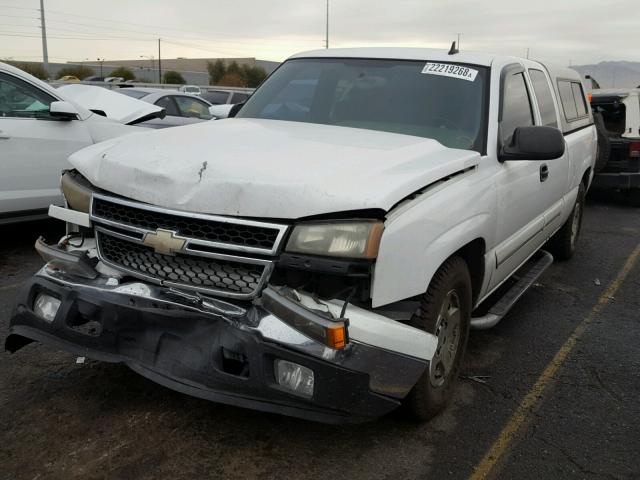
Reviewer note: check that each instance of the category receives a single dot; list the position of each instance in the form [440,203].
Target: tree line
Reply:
[234,75]
[81,72]
[221,73]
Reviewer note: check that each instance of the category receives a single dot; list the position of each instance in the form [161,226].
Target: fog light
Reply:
[46,307]
[294,377]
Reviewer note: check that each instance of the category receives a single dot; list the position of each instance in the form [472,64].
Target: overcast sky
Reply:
[561,31]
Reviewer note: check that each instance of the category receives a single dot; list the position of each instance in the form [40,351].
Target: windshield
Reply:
[425,99]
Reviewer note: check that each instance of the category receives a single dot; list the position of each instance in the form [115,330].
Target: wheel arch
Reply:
[473,253]
[586,178]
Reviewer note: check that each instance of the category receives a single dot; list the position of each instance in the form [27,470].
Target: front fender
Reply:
[417,240]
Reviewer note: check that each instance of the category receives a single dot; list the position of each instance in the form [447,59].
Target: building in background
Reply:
[194,70]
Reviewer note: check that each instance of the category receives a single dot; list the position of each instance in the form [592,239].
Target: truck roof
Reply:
[401,53]
[436,54]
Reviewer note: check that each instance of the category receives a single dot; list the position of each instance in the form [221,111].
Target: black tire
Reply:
[604,144]
[632,197]
[432,392]
[563,243]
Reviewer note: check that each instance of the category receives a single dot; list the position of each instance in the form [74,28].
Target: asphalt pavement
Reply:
[551,392]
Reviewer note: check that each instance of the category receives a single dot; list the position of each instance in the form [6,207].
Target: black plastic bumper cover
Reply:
[623,180]
[191,352]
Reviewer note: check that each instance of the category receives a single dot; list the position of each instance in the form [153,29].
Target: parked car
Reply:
[617,113]
[39,128]
[321,256]
[69,78]
[221,97]
[181,108]
[93,78]
[114,80]
[192,89]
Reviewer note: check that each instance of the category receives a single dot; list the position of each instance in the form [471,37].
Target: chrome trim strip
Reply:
[282,229]
[266,273]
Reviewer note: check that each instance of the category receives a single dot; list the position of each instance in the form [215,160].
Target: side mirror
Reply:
[220,111]
[63,111]
[533,143]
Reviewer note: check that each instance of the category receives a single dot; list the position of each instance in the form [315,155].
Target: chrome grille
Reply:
[181,270]
[220,265]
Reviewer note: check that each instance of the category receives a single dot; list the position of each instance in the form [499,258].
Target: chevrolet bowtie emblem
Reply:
[164,241]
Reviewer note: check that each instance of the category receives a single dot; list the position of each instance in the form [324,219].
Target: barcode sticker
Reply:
[449,70]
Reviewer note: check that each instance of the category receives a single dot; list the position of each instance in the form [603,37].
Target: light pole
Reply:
[326,38]
[152,58]
[43,26]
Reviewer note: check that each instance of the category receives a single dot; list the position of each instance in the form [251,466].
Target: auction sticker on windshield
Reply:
[448,70]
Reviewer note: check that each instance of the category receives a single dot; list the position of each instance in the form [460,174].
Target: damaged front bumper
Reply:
[226,352]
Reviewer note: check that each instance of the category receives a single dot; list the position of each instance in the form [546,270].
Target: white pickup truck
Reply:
[324,253]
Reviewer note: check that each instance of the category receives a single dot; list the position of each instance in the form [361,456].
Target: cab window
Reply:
[544,97]
[573,100]
[192,108]
[516,106]
[19,99]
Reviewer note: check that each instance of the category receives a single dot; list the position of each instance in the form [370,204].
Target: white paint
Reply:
[268,168]
[379,331]
[70,216]
[121,108]
[34,151]
[274,169]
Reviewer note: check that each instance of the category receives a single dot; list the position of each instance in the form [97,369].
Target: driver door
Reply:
[521,199]
[33,148]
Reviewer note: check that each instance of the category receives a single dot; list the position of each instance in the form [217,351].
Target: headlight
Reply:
[356,239]
[76,190]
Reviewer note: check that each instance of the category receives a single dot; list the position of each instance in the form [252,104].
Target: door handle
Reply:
[4,136]
[544,172]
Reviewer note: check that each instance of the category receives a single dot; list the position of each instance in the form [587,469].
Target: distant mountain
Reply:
[613,74]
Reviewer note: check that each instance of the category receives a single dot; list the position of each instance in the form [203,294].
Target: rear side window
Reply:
[578,96]
[193,108]
[216,98]
[516,106]
[169,105]
[568,103]
[573,101]
[546,105]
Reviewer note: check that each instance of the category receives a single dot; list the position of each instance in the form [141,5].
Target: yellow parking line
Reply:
[9,287]
[521,418]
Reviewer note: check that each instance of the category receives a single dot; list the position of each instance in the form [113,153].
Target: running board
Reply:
[530,271]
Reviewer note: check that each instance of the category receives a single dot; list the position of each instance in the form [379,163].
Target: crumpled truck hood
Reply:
[116,106]
[268,168]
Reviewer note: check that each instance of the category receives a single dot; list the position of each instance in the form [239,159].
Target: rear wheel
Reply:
[445,311]
[633,197]
[563,243]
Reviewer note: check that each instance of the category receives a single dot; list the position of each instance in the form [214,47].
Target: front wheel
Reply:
[445,311]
